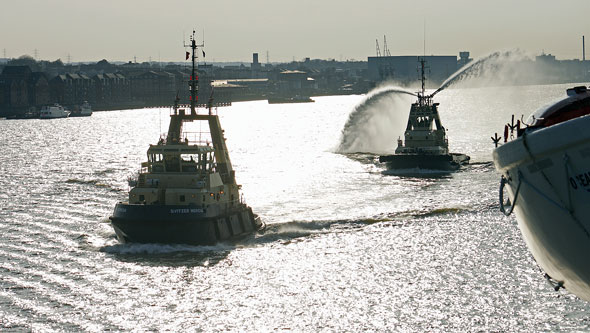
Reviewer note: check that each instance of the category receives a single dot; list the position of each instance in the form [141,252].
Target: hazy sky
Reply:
[90,30]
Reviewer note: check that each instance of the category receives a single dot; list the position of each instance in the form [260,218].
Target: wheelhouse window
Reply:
[156,162]
[155,158]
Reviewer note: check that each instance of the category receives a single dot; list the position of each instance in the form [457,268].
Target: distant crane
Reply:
[385,48]
[386,52]
[378,51]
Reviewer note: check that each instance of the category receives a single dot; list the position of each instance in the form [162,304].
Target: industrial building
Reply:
[405,69]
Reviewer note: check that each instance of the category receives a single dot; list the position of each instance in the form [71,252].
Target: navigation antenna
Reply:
[194,78]
[423,98]
[424,37]
[378,51]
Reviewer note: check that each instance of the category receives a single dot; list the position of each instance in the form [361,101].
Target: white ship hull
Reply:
[81,113]
[51,112]
[85,110]
[548,170]
[54,115]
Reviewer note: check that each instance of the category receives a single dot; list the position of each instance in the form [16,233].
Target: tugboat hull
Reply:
[445,162]
[180,224]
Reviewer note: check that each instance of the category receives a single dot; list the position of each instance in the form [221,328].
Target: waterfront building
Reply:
[404,69]
[20,88]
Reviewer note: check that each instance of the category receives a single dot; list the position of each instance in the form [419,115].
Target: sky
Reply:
[124,30]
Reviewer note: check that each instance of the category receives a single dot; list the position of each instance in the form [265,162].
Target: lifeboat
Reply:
[546,175]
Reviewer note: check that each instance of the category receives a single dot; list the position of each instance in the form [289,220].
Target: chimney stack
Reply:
[583,49]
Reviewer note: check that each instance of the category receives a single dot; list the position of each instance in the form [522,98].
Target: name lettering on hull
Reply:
[581,181]
[186,210]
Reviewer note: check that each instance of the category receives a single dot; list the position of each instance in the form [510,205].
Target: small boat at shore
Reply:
[289,99]
[53,111]
[546,172]
[84,110]
[29,113]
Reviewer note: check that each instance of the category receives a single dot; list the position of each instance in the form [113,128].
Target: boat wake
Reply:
[281,233]
[433,212]
[93,182]
[287,232]
[104,172]
[297,228]
[480,167]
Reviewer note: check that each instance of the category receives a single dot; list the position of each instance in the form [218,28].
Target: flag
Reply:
[187,55]
[203,53]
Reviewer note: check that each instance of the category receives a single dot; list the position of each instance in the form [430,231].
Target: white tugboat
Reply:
[186,192]
[84,110]
[547,172]
[53,111]
[425,145]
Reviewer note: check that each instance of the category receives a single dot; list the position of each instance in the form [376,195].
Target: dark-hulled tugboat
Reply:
[186,192]
[426,145]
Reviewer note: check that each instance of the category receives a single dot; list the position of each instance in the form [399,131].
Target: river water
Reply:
[347,247]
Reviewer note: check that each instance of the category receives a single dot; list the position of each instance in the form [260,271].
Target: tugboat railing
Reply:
[187,107]
[202,138]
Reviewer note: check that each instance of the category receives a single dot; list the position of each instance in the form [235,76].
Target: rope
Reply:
[566,160]
[539,192]
[503,182]
[554,283]
[566,165]
[522,179]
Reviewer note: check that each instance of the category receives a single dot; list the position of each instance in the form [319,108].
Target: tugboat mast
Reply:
[194,79]
[422,98]
[422,61]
